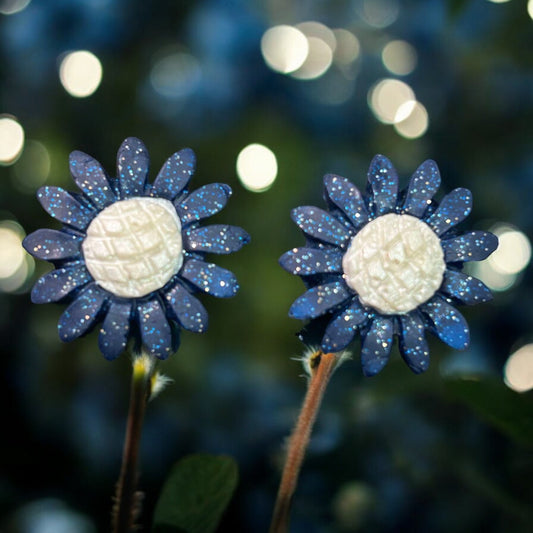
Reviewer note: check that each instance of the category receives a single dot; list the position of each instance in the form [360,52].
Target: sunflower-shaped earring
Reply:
[388,263]
[131,254]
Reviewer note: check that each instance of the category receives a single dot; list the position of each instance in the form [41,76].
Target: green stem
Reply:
[322,367]
[127,500]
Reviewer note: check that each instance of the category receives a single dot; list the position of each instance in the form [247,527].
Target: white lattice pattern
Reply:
[395,263]
[134,246]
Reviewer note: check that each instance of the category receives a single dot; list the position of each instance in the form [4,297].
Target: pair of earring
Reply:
[131,256]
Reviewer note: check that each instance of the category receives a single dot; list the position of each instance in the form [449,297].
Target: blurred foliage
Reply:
[195,494]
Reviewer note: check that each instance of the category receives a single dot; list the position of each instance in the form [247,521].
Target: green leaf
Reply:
[509,411]
[195,495]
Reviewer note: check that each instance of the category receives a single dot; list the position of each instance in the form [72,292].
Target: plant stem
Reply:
[127,500]
[322,367]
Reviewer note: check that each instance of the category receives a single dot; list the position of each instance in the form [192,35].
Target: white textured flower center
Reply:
[395,263]
[133,247]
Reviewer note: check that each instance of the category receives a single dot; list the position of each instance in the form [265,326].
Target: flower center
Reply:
[395,263]
[133,247]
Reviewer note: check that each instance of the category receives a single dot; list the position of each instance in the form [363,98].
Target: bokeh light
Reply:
[530,8]
[32,168]
[10,7]
[11,140]
[15,264]
[500,271]
[257,167]
[518,370]
[176,75]
[387,96]
[347,47]
[80,73]
[499,1]
[378,13]
[320,31]
[513,253]
[411,120]
[399,57]
[317,62]
[284,48]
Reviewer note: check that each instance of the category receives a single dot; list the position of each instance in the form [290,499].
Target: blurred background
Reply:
[271,95]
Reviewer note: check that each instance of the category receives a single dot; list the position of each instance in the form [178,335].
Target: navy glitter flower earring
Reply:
[388,263]
[131,254]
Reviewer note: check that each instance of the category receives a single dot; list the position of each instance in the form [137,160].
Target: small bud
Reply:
[311,359]
[158,383]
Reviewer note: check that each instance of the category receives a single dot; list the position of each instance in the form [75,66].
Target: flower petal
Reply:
[203,202]
[320,225]
[465,288]
[377,344]
[319,300]
[341,330]
[216,239]
[382,186]
[133,163]
[114,334]
[59,283]
[473,246]
[422,187]
[448,324]
[64,207]
[210,278]
[346,197]
[91,179]
[308,261]
[175,174]
[413,345]
[51,244]
[82,314]
[156,333]
[187,309]
[454,208]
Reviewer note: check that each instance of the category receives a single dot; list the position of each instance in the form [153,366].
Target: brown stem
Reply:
[127,500]
[322,367]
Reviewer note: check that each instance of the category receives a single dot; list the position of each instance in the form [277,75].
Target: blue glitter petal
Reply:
[156,333]
[382,186]
[320,225]
[81,315]
[114,334]
[210,278]
[413,345]
[187,309]
[473,246]
[377,344]
[175,174]
[319,300]
[448,324]
[454,208]
[342,329]
[308,261]
[465,288]
[133,163]
[51,244]
[422,187]
[91,179]
[203,202]
[346,196]
[62,206]
[216,239]
[59,283]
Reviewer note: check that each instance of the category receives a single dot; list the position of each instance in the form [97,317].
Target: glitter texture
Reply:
[387,263]
[130,253]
